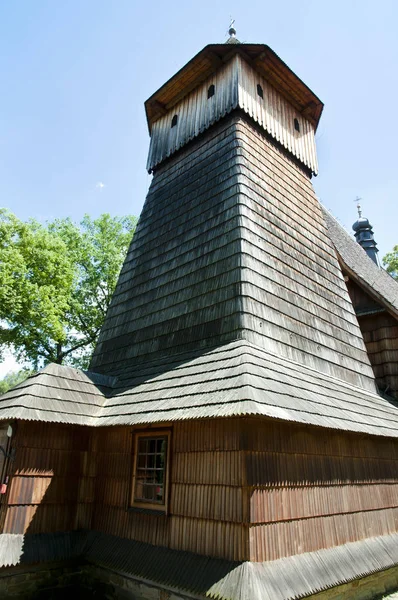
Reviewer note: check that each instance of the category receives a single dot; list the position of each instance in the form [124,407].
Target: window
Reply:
[174,121]
[211,91]
[150,477]
[260,91]
[296,125]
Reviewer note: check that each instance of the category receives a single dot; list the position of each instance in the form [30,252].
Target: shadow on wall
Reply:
[49,480]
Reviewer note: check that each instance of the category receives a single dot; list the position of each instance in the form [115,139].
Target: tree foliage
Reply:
[390,261]
[12,379]
[56,283]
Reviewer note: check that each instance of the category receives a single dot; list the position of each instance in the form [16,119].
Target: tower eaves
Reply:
[212,57]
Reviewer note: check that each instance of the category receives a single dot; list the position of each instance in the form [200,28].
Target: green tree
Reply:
[12,379]
[56,283]
[390,261]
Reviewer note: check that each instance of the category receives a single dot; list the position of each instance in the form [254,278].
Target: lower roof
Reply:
[284,579]
[235,379]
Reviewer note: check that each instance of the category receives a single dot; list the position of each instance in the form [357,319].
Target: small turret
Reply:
[364,236]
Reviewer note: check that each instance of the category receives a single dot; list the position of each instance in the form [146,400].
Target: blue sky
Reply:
[75,75]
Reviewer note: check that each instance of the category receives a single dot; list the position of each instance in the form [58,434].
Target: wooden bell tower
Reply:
[231,243]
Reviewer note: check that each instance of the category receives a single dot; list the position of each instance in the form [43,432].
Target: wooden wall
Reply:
[235,87]
[254,488]
[4,443]
[207,506]
[240,488]
[380,334]
[47,492]
[311,488]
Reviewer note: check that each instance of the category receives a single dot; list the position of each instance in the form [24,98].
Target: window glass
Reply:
[150,469]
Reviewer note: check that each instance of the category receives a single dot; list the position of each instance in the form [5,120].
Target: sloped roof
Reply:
[231,302]
[284,579]
[377,282]
[235,379]
[242,379]
[57,394]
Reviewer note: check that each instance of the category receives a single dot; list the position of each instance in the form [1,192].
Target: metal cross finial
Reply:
[357,200]
[232,30]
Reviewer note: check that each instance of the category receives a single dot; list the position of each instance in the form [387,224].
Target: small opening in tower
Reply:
[211,91]
[260,91]
[174,121]
[296,125]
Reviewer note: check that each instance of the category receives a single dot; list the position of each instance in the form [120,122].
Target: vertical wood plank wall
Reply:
[253,488]
[311,488]
[240,488]
[48,490]
[380,334]
[206,508]
[235,87]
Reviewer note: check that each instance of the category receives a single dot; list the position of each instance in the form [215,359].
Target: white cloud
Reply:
[100,185]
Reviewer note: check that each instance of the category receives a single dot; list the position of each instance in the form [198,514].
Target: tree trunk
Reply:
[59,357]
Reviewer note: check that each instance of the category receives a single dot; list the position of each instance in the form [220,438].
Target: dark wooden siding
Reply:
[240,489]
[178,288]
[294,299]
[206,507]
[380,333]
[232,244]
[49,489]
[254,488]
[310,490]
[361,301]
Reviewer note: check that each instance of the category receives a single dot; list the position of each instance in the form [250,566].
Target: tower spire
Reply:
[232,33]
[364,234]
[358,199]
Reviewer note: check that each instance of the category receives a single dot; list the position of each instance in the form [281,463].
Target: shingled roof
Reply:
[377,282]
[57,394]
[230,380]
[231,302]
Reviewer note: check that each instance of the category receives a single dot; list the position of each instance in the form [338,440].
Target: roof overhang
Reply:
[212,57]
[367,286]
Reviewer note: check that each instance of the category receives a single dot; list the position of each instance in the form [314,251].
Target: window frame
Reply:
[141,504]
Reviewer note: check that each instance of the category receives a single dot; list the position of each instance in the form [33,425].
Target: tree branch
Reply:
[81,345]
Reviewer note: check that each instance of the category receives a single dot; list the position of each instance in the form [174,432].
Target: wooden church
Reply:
[236,435]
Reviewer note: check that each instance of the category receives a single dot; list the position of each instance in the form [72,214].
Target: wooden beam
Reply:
[158,107]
